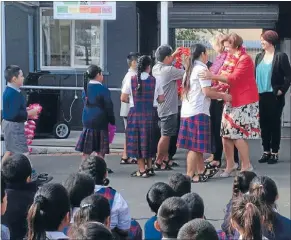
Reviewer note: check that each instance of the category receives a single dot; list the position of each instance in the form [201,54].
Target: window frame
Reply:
[72,43]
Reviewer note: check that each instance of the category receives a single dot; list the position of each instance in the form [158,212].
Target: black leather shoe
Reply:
[273,159]
[265,158]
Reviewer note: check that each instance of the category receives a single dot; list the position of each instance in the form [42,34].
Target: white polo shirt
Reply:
[127,89]
[196,102]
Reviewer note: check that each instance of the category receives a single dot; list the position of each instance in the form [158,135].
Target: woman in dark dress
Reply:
[142,120]
[97,114]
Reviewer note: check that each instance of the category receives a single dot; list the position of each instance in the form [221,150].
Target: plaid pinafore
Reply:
[135,231]
[142,121]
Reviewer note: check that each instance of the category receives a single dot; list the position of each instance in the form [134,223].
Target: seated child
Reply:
[157,194]
[275,226]
[246,218]
[78,186]
[17,171]
[198,229]
[90,231]
[49,214]
[180,183]
[172,215]
[96,167]
[241,185]
[5,234]
[195,204]
[94,208]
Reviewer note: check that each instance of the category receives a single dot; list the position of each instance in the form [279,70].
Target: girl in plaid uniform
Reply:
[97,114]
[194,134]
[142,120]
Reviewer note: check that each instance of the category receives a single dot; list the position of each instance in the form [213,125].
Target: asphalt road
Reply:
[215,193]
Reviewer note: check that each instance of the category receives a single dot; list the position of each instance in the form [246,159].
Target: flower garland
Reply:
[178,64]
[228,67]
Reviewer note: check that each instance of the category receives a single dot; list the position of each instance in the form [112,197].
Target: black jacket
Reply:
[281,71]
[19,200]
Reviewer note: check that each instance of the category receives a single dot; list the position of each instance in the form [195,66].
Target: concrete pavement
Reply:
[52,145]
[215,193]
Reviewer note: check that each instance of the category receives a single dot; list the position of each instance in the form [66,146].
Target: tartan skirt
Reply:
[195,134]
[142,134]
[92,140]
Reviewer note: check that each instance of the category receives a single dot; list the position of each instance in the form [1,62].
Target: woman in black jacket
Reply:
[273,76]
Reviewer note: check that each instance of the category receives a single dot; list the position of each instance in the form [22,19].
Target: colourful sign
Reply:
[85,10]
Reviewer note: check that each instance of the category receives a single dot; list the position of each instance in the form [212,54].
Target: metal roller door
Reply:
[222,15]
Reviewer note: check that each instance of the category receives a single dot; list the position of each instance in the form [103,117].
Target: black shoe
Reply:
[273,159]
[265,158]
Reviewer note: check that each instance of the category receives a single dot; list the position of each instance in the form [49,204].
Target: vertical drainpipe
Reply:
[164,28]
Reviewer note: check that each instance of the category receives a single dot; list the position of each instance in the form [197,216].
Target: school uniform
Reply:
[19,199]
[124,107]
[97,114]
[150,231]
[195,130]
[142,121]
[120,217]
[5,234]
[14,116]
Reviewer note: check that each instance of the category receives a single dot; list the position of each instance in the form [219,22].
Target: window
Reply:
[69,43]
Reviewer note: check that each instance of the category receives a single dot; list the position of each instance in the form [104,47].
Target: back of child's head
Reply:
[157,194]
[246,218]
[93,71]
[264,189]
[95,167]
[198,229]
[195,204]
[50,209]
[172,215]
[79,186]
[180,183]
[242,182]
[16,169]
[90,231]
[11,71]
[132,57]
[93,208]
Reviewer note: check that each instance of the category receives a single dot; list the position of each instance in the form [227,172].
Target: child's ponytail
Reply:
[252,222]
[36,228]
[143,63]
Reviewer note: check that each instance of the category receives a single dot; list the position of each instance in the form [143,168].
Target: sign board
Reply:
[85,10]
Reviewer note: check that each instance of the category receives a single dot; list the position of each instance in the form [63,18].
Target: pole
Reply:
[164,22]
[3,62]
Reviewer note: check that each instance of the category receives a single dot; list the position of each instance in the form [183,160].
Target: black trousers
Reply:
[271,109]
[173,141]
[216,109]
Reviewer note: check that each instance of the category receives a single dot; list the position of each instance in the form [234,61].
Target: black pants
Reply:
[173,141]
[271,108]
[216,109]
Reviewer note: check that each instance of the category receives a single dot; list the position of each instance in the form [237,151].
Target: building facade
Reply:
[63,48]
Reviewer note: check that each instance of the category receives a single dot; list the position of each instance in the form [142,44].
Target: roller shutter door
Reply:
[222,15]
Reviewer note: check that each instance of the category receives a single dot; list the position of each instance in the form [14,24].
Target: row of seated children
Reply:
[84,207]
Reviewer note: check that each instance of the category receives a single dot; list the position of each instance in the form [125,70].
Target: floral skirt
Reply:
[240,122]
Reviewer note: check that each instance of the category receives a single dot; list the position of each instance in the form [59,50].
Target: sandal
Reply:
[201,178]
[158,167]
[210,166]
[211,169]
[151,172]
[109,170]
[128,161]
[140,174]
[43,178]
[173,164]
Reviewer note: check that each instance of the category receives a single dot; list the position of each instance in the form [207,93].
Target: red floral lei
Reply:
[228,67]
[178,64]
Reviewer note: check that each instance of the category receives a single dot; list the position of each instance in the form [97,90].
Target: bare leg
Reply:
[124,154]
[141,164]
[243,149]
[163,147]
[191,164]
[200,163]
[149,163]
[85,156]
[228,147]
